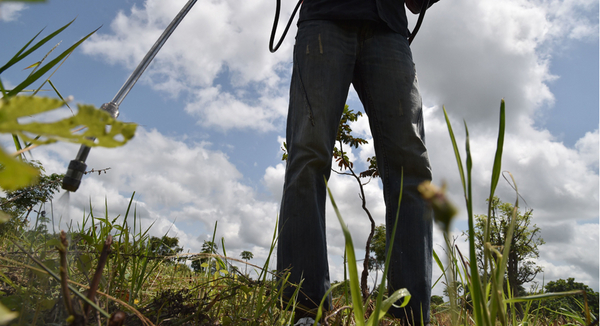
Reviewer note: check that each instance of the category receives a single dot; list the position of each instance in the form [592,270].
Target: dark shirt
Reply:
[391,12]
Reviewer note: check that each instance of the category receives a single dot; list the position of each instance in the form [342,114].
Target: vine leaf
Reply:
[107,131]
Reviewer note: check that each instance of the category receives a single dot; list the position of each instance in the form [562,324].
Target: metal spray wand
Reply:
[77,167]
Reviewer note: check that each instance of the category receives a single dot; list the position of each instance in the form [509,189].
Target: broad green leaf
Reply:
[95,120]
[89,239]
[4,217]
[53,243]
[25,106]
[15,174]
[46,304]
[6,315]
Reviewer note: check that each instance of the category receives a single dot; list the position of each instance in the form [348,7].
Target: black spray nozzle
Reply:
[72,178]
[77,167]
[76,170]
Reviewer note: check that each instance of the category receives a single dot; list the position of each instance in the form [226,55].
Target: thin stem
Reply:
[64,277]
[365,272]
[98,275]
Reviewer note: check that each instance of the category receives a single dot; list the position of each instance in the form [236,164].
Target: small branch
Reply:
[26,149]
[365,272]
[64,277]
[98,275]
[32,146]
[56,277]
[337,311]
[99,171]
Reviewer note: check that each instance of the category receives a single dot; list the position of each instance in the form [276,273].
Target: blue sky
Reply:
[212,110]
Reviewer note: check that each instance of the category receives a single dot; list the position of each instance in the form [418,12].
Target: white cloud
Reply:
[571,252]
[186,188]
[225,110]
[11,11]
[219,43]
[588,149]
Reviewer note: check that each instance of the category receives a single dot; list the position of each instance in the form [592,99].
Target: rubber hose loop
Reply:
[419,21]
[276,21]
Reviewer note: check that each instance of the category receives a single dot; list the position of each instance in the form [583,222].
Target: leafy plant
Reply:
[521,266]
[571,302]
[14,107]
[15,172]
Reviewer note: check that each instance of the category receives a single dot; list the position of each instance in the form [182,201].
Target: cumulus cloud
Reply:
[218,56]
[184,188]
[472,53]
[11,11]
[588,149]
[570,249]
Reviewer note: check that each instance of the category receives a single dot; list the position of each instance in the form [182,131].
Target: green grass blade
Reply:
[441,266]
[456,152]
[18,145]
[18,57]
[544,296]
[127,215]
[223,246]
[479,306]
[320,310]
[354,287]
[2,88]
[496,170]
[387,304]
[379,305]
[263,272]
[35,76]
[20,54]
[59,94]
[496,299]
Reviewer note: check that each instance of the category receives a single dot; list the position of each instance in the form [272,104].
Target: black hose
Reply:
[419,21]
[276,21]
[278,10]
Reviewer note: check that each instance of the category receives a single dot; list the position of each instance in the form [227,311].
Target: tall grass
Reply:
[381,305]
[150,289]
[490,304]
[162,290]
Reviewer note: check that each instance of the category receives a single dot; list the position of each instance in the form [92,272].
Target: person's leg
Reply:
[386,81]
[321,78]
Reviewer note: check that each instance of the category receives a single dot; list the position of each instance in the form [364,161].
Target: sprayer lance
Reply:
[77,167]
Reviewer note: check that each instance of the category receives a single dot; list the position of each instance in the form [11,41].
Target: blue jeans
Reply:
[328,56]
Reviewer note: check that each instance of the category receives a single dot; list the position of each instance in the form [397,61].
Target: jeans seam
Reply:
[311,117]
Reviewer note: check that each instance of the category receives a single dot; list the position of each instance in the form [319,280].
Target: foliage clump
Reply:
[525,242]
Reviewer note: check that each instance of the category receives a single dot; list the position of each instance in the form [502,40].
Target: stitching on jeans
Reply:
[297,69]
[320,45]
